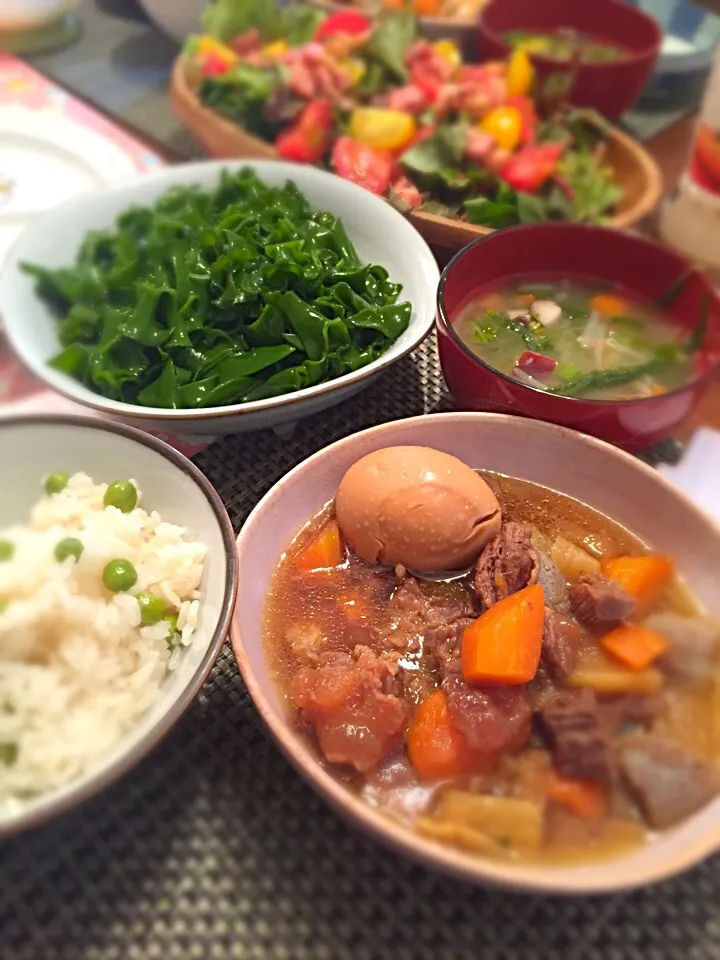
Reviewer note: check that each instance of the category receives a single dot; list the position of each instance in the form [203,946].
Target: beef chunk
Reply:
[507,564]
[444,645]
[561,640]
[572,727]
[415,613]
[355,721]
[426,623]
[492,719]
[598,601]
[668,784]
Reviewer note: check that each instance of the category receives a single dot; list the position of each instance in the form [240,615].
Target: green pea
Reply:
[8,753]
[68,547]
[55,482]
[152,608]
[121,494]
[7,550]
[119,576]
[4,604]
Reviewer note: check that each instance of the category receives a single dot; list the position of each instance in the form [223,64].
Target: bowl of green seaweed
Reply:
[217,297]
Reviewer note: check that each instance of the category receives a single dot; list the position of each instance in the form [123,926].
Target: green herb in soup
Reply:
[574,339]
[564,45]
[222,296]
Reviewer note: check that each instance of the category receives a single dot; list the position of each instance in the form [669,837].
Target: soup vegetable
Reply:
[557,701]
[222,296]
[404,118]
[564,45]
[577,339]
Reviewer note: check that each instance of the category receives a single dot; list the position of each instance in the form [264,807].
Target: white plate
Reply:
[46,159]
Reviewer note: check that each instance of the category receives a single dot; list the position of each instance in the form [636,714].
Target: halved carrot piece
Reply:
[584,798]
[636,646]
[503,645]
[644,578]
[322,552]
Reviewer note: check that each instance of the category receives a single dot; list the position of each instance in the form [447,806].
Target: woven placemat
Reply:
[214,848]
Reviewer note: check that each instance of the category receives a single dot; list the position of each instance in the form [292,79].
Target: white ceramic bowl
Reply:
[32,447]
[588,469]
[380,233]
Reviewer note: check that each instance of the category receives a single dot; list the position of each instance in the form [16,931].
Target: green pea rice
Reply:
[77,667]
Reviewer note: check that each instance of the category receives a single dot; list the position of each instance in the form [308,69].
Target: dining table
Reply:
[213,847]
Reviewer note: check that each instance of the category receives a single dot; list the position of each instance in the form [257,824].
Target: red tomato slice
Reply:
[372,169]
[308,139]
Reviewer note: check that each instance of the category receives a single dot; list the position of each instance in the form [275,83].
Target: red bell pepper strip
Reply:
[309,138]
[529,168]
[353,23]
[536,364]
[372,169]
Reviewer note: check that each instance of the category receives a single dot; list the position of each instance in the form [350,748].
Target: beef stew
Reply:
[533,707]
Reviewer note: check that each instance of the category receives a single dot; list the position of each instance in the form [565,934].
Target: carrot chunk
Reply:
[636,646]
[609,305]
[503,645]
[436,747]
[584,798]
[322,552]
[644,578]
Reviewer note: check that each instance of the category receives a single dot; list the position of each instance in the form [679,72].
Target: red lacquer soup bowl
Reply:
[564,250]
[610,86]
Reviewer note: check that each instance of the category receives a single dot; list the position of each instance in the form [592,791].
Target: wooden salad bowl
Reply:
[636,173]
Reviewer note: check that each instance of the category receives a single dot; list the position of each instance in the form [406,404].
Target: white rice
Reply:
[76,667]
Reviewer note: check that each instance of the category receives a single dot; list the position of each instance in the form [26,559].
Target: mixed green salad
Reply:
[221,296]
[405,118]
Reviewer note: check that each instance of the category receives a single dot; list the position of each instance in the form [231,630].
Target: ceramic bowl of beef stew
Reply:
[492,643]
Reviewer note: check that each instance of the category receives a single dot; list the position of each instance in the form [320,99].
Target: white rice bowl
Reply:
[77,667]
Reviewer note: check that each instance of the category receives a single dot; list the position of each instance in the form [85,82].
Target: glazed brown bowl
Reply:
[591,471]
[632,262]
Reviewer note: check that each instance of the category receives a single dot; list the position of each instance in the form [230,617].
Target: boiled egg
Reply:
[418,507]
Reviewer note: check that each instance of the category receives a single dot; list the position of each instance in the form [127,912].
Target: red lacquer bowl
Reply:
[561,250]
[611,88]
